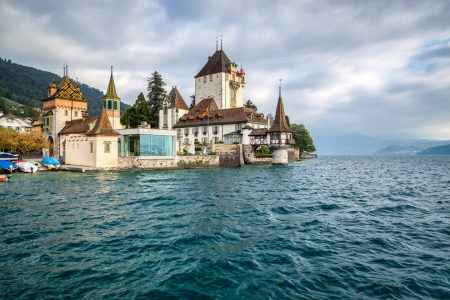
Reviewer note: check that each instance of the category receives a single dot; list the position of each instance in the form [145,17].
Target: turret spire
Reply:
[280,87]
[111,91]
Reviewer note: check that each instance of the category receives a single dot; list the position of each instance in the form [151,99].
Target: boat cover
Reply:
[4,164]
[4,156]
[27,167]
[50,161]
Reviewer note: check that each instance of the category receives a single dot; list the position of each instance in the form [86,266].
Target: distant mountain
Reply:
[360,144]
[399,150]
[440,150]
[28,86]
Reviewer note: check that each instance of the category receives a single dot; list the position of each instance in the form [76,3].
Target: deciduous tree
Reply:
[303,139]
[22,142]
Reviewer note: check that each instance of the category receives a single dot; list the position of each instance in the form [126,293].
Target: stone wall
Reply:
[180,162]
[291,155]
[229,155]
[306,155]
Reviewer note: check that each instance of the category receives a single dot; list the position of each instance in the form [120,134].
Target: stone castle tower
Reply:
[111,103]
[220,79]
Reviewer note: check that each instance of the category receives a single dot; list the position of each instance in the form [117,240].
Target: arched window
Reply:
[109,104]
[115,105]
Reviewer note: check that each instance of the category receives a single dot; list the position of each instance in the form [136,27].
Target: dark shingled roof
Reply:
[262,131]
[216,64]
[9,116]
[176,99]
[102,126]
[229,115]
[280,124]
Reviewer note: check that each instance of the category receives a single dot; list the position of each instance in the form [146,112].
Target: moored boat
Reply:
[5,178]
[34,163]
[7,166]
[51,163]
[27,167]
[8,156]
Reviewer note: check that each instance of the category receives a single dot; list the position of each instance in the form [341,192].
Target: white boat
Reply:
[27,167]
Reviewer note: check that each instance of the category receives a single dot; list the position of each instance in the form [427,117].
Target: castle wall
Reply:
[211,89]
[180,162]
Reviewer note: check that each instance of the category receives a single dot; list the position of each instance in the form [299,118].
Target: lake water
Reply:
[344,227]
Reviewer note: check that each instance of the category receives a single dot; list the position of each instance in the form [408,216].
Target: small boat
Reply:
[8,156]
[34,163]
[7,166]
[51,163]
[5,178]
[27,167]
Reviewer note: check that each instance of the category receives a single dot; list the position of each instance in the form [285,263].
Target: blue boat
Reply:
[8,156]
[51,163]
[7,166]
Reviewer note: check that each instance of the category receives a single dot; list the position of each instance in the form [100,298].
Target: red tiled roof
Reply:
[176,100]
[280,124]
[102,126]
[10,116]
[229,115]
[78,126]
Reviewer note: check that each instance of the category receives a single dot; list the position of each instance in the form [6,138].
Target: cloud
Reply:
[374,67]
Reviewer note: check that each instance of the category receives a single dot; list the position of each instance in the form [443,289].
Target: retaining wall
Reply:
[180,162]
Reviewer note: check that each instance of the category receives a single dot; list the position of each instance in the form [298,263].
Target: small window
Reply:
[199,80]
[227,77]
[91,144]
[109,104]
[76,114]
[115,105]
[107,147]
[233,94]
[10,120]
[217,76]
[66,113]
[186,141]
[233,77]
[18,128]
[210,78]
[78,146]
[204,79]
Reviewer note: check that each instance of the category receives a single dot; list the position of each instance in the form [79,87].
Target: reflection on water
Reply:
[345,227]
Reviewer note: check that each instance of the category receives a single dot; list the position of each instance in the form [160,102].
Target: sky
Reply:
[379,68]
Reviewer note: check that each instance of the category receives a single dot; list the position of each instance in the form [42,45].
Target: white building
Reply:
[14,122]
[172,109]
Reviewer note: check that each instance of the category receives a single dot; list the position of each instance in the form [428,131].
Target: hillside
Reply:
[440,150]
[399,150]
[27,86]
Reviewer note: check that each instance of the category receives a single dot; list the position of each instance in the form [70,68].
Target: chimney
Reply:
[84,115]
[209,57]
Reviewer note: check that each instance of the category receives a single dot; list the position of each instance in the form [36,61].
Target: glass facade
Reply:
[148,145]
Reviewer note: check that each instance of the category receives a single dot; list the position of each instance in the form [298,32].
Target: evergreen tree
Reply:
[270,117]
[139,112]
[192,101]
[155,97]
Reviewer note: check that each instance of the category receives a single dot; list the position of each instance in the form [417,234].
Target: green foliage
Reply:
[139,112]
[198,149]
[182,152]
[220,142]
[155,97]
[264,150]
[25,111]
[288,121]
[212,153]
[191,106]
[236,143]
[249,104]
[303,139]
[28,86]
[196,142]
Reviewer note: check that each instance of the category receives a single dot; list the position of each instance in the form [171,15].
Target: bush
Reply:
[265,150]
[198,149]
[182,152]
[197,143]
[220,142]
[212,153]
[236,143]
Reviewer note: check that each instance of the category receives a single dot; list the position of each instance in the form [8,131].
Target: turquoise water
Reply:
[365,227]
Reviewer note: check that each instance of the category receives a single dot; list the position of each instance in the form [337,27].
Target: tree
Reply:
[139,112]
[249,104]
[270,117]
[155,97]
[288,121]
[22,142]
[192,101]
[303,139]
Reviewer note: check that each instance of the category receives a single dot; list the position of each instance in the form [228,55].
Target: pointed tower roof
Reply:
[53,84]
[176,99]
[102,126]
[111,91]
[66,90]
[216,64]
[280,124]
